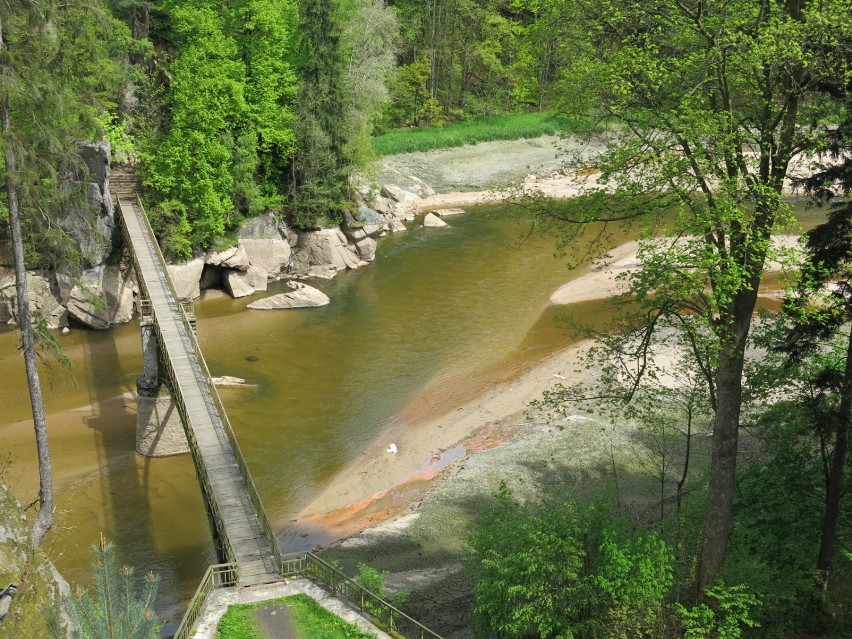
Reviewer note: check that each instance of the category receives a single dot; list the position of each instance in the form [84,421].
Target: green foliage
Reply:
[61,75]
[481,129]
[468,58]
[725,617]
[374,581]
[781,496]
[121,606]
[307,618]
[564,570]
[229,131]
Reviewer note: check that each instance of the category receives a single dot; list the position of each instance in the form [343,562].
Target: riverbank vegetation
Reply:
[514,126]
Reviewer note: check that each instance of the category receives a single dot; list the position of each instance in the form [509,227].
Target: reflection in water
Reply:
[440,316]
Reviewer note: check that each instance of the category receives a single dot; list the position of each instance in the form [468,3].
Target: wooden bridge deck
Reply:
[203,423]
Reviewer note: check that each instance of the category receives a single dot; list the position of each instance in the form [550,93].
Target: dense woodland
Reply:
[228,110]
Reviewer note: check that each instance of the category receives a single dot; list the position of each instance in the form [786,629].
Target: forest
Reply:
[710,112]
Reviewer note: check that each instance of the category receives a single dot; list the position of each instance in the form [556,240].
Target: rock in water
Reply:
[433,221]
[302,296]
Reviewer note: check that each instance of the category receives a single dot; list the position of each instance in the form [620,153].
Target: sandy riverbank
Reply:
[381,484]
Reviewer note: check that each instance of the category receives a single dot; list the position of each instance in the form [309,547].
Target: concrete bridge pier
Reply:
[159,431]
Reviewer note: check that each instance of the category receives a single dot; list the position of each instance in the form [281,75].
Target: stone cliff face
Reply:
[91,292]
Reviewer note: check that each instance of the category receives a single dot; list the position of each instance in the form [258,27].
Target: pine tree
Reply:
[121,606]
[320,167]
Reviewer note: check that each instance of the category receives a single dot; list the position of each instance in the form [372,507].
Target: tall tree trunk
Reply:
[838,466]
[44,519]
[723,460]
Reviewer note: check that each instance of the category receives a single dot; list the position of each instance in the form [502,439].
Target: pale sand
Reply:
[609,279]
[380,484]
[560,187]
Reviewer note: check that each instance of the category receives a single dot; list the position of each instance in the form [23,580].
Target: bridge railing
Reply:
[189,320]
[383,614]
[217,576]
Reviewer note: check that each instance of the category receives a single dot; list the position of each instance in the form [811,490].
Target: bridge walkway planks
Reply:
[229,493]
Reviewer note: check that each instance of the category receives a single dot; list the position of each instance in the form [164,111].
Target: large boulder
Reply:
[302,296]
[102,297]
[42,297]
[324,248]
[265,240]
[420,187]
[234,257]
[407,203]
[236,283]
[433,221]
[365,222]
[366,248]
[186,278]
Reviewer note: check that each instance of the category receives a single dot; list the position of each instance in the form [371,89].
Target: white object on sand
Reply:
[392,449]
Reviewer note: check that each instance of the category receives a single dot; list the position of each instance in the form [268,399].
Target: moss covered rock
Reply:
[39,584]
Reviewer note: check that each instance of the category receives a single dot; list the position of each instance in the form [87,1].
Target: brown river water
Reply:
[441,315]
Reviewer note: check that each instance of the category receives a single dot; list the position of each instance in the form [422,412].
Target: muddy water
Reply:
[441,314]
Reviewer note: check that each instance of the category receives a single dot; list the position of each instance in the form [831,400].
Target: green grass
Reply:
[484,129]
[308,619]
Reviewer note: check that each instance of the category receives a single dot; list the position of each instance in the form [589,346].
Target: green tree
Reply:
[712,100]
[56,78]
[223,148]
[191,165]
[320,167]
[564,570]
[121,607]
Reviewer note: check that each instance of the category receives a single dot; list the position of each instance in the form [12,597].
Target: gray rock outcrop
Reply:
[327,248]
[43,301]
[91,225]
[406,203]
[102,297]
[266,243]
[236,283]
[234,257]
[302,296]
[40,585]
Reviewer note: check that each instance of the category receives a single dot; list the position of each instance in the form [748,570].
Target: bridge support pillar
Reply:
[159,431]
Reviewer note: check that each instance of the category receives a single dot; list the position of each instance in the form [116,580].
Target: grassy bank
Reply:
[305,617]
[484,129]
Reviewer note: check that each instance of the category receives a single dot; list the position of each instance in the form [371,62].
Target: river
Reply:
[439,316]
